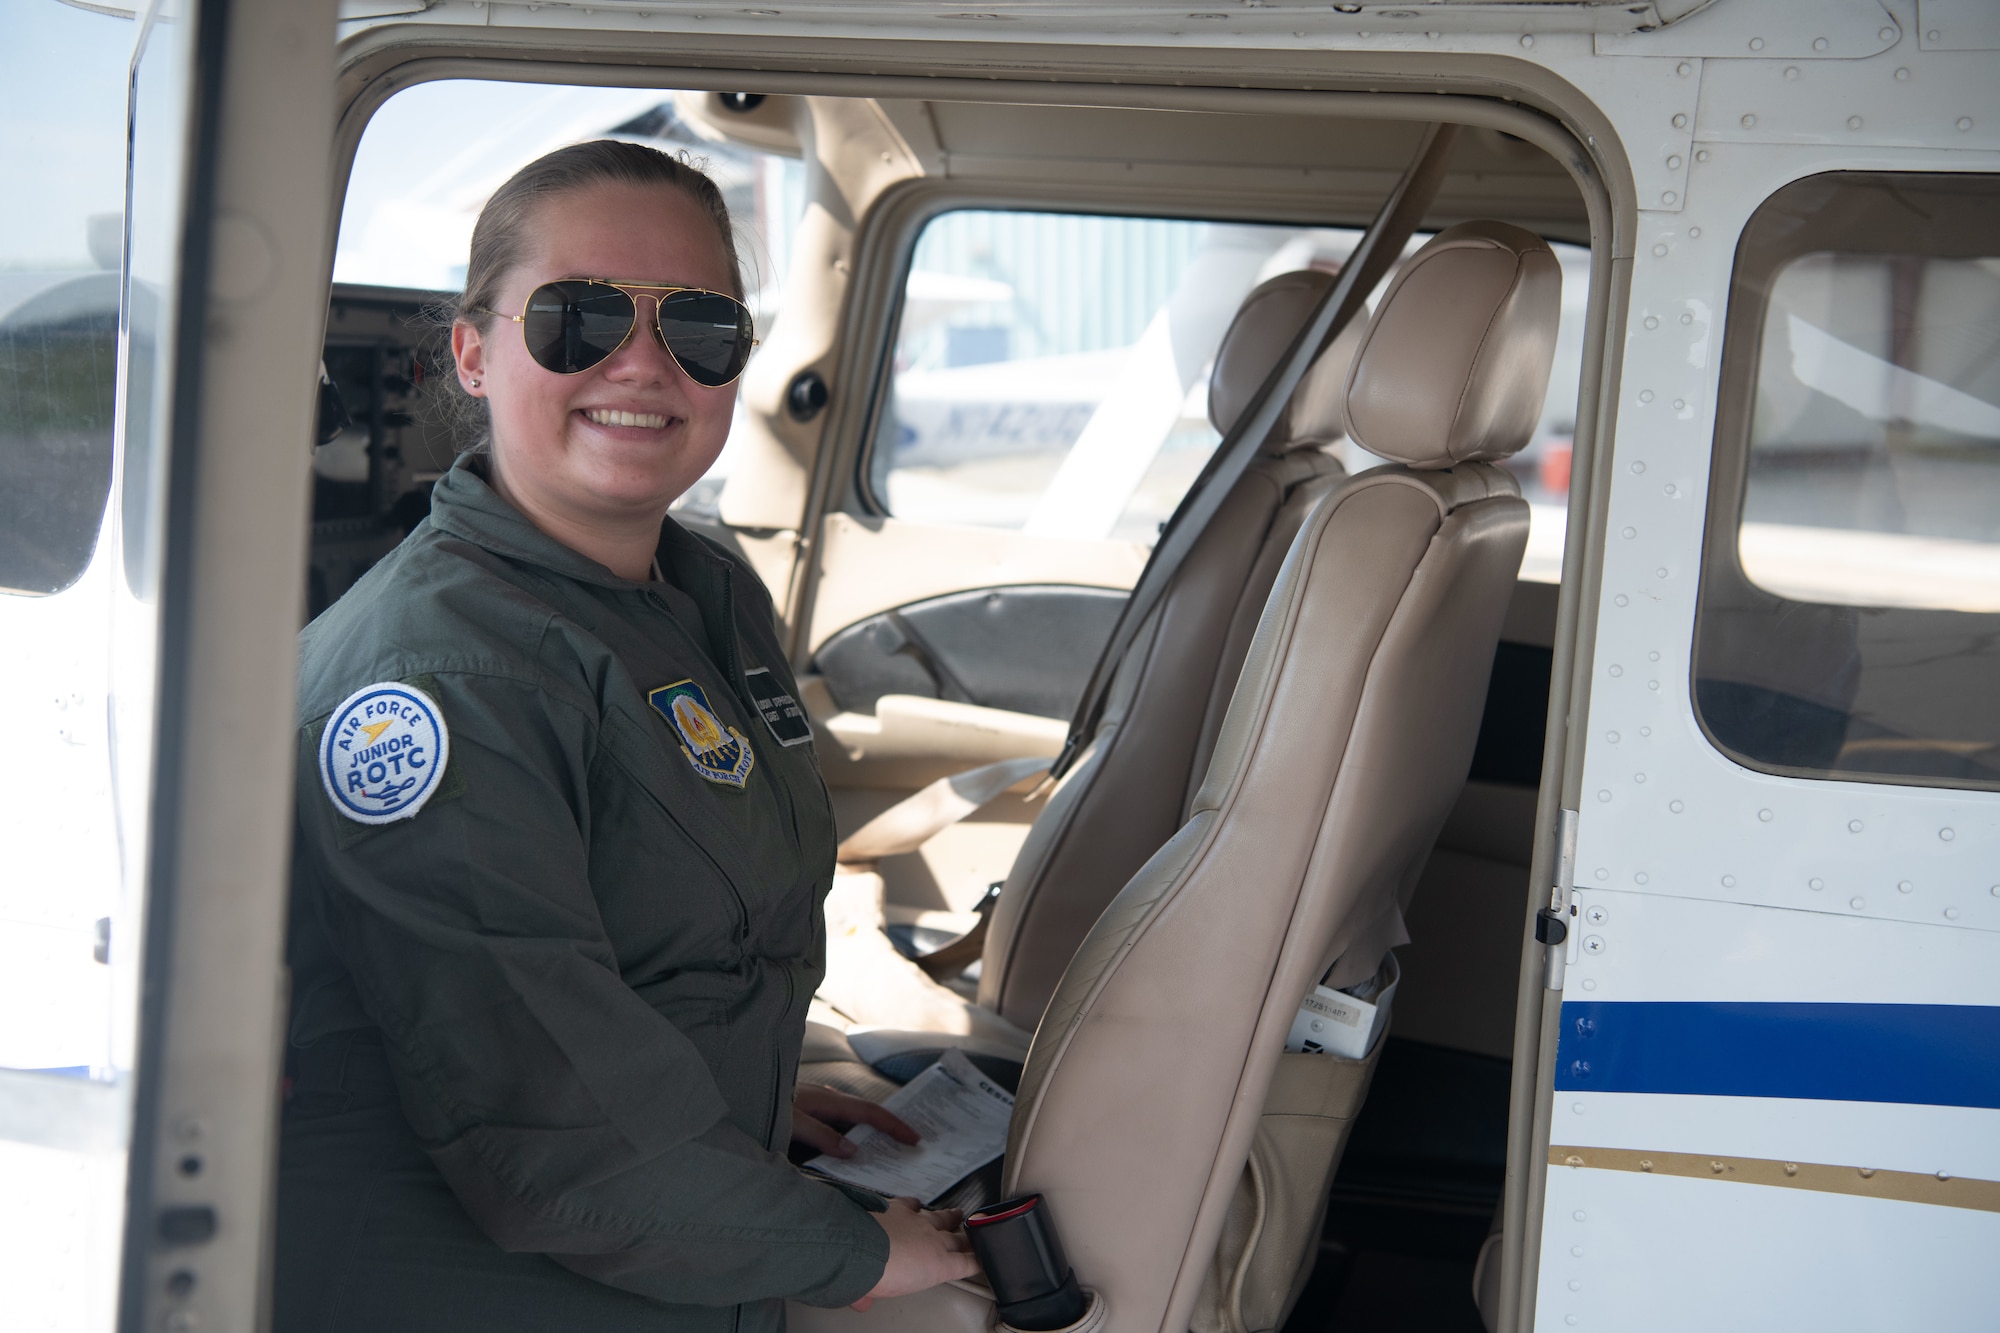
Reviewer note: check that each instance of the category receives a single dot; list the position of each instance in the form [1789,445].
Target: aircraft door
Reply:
[67,922]
[151,587]
[1768,1092]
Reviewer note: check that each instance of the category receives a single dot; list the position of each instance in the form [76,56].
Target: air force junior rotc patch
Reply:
[383,752]
[720,754]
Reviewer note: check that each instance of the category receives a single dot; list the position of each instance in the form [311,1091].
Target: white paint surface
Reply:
[1657,946]
[1666,1254]
[1961,1141]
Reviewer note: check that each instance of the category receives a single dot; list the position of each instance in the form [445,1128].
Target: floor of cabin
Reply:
[1414,1198]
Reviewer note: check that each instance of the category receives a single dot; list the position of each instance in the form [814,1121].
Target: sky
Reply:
[432,154]
[425,165]
[62,129]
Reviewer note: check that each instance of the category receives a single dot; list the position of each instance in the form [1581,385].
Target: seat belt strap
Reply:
[1377,251]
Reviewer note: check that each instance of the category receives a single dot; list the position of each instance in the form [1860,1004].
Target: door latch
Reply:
[1552,922]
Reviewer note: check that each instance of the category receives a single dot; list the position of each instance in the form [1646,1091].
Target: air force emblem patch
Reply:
[720,754]
[383,752]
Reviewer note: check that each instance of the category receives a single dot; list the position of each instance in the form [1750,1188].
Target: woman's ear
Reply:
[468,350]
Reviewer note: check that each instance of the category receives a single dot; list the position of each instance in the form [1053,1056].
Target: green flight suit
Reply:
[545,1031]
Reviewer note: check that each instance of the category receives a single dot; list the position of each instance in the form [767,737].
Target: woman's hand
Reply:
[819,1114]
[925,1248]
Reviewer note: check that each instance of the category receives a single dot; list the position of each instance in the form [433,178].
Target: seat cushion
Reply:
[850,1076]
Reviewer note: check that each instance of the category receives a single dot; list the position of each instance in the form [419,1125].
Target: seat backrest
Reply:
[1347,738]
[1130,789]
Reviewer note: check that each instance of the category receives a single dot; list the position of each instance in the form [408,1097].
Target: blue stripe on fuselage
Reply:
[1930,1054]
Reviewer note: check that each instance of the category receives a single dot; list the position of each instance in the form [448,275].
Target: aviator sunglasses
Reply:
[572,324]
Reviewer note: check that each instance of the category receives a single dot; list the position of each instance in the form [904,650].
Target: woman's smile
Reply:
[615,417]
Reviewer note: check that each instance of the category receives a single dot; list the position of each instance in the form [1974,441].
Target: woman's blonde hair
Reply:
[500,236]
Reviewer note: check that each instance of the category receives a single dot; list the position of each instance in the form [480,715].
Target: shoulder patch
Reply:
[383,752]
[720,754]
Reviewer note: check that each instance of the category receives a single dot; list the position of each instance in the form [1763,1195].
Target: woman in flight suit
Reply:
[562,842]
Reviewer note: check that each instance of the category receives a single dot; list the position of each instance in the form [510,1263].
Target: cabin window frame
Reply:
[1802,220]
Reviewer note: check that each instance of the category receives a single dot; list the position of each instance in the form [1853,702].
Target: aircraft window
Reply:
[1050,372]
[59,293]
[427,162]
[1850,605]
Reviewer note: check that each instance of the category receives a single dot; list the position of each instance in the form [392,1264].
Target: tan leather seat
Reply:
[1184,1155]
[1132,787]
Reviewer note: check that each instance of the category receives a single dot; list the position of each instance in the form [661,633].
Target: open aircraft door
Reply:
[1755,1074]
[137,1157]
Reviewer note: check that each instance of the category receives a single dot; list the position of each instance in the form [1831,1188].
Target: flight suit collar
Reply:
[465,505]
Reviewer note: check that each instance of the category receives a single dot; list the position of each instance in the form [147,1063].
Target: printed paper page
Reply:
[962,1116]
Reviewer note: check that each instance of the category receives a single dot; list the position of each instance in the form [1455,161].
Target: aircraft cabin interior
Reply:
[1038,324]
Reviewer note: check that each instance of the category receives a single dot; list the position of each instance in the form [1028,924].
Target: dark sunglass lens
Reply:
[571,326]
[708,333]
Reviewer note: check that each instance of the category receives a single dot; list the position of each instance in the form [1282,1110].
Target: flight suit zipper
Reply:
[778,1064]
[739,685]
[660,607]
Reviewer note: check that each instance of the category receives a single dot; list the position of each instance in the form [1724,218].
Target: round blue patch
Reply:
[383,752]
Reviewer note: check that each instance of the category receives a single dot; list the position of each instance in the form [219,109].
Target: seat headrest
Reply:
[1265,324]
[1455,364]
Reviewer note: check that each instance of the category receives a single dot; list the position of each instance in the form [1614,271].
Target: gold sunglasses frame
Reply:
[660,292]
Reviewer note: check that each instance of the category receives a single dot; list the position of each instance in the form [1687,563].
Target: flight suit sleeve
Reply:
[568,1116]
